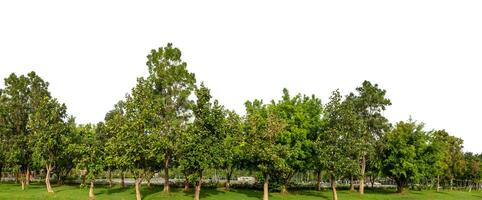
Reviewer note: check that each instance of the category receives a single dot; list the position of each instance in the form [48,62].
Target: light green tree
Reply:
[403,156]
[171,85]
[339,140]
[370,102]
[263,127]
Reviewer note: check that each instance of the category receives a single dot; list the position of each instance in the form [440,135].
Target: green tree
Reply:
[455,159]
[115,121]
[231,146]
[90,154]
[302,115]
[16,102]
[338,143]
[263,128]
[473,170]
[202,148]
[403,153]
[438,155]
[171,85]
[47,123]
[370,102]
[139,132]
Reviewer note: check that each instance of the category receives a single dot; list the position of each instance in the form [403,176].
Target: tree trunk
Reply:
[27,176]
[284,188]
[83,178]
[451,184]
[166,173]
[109,176]
[352,186]
[59,178]
[23,184]
[228,180]
[138,188]
[186,184]
[318,180]
[91,189]
[438,183]
[148,179]
[372,180]
[122,179]
[333,187]
[361,188]
[197,190]
[400,186]
[266,187]
[47,179]
[227,186]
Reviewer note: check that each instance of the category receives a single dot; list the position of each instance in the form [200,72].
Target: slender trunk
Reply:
[228,180]
[122,183]
[166,173]
[333,187]
[23,184]
[138,188]
[284,188]
[47,179]
[266,187]
[91,190]
[197,190]
[59,179]
[109,176]
[83,178]
[438,183]
[148,179]
[186,184]
[361,188]
[352,186]
[451,184]
[27,176]
[318,180]
[400,186]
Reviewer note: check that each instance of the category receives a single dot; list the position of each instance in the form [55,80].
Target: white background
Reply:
[426,54]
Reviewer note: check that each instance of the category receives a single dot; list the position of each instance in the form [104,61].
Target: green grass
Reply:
[38,191]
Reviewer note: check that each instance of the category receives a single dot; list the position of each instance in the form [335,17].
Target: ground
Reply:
[38,191]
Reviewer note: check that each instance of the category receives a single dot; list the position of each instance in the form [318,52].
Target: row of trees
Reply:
[168,122]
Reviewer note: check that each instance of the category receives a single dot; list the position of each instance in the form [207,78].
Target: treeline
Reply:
[167,122]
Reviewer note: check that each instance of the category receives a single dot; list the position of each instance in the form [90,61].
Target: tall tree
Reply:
[339,143]
[48,127]
[90,153]
[302,115]
[202,148]
[140,131]
[171,85]
[263,128]
[455,159]
[16,99]
[370,102]
[437,155]
[115,122]
[230,147]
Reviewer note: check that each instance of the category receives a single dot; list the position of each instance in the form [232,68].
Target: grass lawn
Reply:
[38,191]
